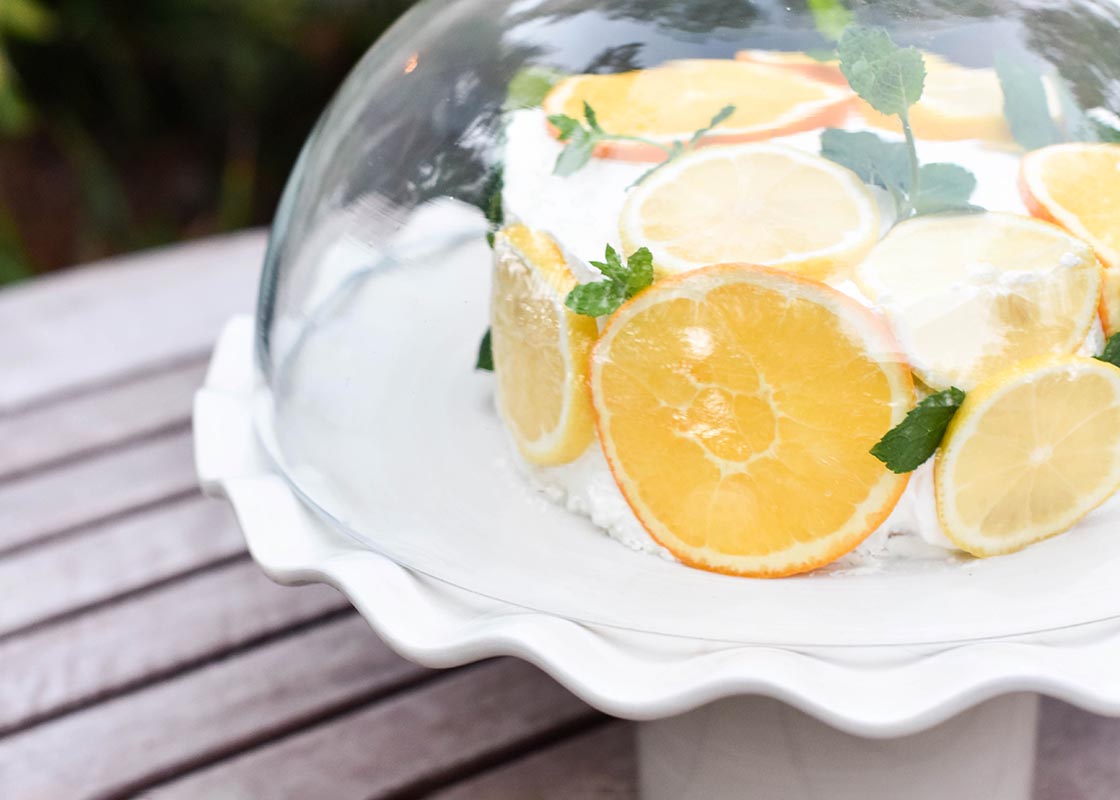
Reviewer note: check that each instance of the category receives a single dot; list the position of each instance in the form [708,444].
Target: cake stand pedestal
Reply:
[717,719]
[756,748]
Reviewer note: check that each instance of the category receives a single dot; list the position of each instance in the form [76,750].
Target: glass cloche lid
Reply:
[611,309]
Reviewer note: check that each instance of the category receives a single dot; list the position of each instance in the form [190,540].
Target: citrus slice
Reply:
[1077,185]
[957,103]
[1029,454]
[827,70]
[736,406]
[1110,302]
[540,348]
[969,295]
[753,203]
[671,102]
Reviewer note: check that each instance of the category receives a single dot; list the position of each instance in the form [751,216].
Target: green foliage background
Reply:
[126,124]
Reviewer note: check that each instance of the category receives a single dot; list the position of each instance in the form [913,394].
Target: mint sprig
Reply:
[891,79]
[622,281]
[908,445]
[581,139]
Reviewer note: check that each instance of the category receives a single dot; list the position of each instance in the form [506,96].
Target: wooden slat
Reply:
[1078,755]
[402,744]
[81,328]
[43,504]
[115,558]
[90,422]
[116,747]
[146,636]
[598,764]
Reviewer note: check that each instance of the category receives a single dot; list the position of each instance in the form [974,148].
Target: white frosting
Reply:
[581,212]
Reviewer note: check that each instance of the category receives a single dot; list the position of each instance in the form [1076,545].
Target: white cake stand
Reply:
[720,720]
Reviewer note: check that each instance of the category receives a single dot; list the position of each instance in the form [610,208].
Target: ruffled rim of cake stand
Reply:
[874,692]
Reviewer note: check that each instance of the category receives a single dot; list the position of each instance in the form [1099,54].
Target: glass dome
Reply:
[608,309]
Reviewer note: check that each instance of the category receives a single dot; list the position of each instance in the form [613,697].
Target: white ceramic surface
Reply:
[867,691]
[379,420]
[755,748]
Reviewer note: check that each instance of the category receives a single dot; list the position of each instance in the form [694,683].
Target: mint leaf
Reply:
[909,444]
[592,119]
[492,202]
[1024,102]
[485,360]
[830,17]
[596,299]
[875,160]
[529,86]
[623,281]
[575,156]
[1111,354]
[612,268]
[944,187]
[890,78]
[640,265]
[565,125]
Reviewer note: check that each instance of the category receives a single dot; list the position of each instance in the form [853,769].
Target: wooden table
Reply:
[143,653]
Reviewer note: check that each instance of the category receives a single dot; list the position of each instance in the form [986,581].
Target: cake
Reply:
[782,312]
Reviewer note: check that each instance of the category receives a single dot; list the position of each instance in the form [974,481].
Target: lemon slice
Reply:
[1077,185]
[540,349]
[669,103]
[754,203]
[969,295]
[957,103]
[1029,453]
[737,406]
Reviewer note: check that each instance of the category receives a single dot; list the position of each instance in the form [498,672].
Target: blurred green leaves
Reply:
[125,124]
[29,21]
[26,19]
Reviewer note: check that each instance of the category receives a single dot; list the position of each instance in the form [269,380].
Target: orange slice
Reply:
[540,349]
[671,102]
[1029,453]
[736,406]
[827,71]
[969,295]
[754,203]
[1077,185]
